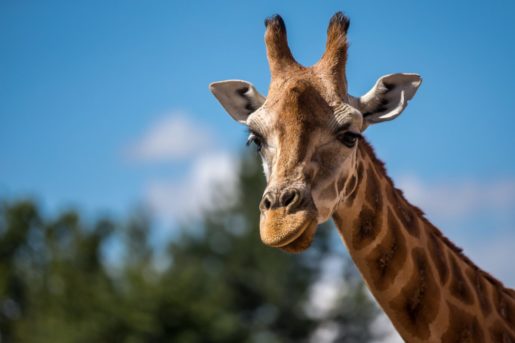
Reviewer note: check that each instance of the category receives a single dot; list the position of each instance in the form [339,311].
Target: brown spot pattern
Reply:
[480,288]
[368,224]
[373,193]
[388,257]
[498,333]
[463,327]
[366,228]
[458,286]
[419,300]
[439,258]
[404,212]
[408,219]
[505,306]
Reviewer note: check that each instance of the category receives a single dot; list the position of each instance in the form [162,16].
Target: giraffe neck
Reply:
[430,291]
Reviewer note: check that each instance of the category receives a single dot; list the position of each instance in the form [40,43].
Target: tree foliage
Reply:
[221,283]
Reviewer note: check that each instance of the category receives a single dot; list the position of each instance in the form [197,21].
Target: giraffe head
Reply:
[307,131]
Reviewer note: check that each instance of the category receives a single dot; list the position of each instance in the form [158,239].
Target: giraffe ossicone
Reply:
[308,131]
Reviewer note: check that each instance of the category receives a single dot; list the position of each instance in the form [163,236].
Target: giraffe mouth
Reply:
[289,232]
[303,241]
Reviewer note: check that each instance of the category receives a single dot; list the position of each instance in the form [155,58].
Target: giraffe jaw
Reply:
[289,232]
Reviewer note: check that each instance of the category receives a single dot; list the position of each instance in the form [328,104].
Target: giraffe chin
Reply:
[303,241]
[289,232]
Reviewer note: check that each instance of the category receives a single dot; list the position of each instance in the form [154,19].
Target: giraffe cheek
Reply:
[323,214]
[350,186]
[325,202]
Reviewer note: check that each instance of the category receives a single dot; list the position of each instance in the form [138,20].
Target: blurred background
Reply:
[128,201]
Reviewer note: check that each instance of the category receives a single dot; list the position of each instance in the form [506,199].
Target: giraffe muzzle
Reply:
[288,218]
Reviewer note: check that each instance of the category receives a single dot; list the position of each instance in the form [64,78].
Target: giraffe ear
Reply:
[388,98]
[239,98]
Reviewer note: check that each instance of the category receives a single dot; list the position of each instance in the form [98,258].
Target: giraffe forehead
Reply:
[302,103]
[302,108]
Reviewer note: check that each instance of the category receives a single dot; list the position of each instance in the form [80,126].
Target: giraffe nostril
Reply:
[290,197]
[266,202]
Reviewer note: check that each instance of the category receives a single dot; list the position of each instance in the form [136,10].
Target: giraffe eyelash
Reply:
[256,139]
[348,138]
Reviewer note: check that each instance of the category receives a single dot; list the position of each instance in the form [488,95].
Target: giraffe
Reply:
[318,166]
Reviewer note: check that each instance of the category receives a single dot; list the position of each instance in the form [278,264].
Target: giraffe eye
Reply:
[348,138]
[256,140]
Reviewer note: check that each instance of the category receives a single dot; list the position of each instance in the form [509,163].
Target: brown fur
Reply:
[334,59]
[279,55]
[418,301]
[505,306]
[367,227]
[405,212]
[388,257]
[480,287]
[373,193]
[360,170]
[500,334]
[464,327]
[439,256]
[459,286]
[370,219]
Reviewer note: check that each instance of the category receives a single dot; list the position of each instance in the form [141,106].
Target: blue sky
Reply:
[94,96]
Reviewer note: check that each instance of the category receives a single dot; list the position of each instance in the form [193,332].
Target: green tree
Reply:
[221,285]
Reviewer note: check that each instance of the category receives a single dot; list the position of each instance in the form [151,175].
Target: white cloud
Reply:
[172,137]
[324,294]
[211,175]
[211,182]
[459,199]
